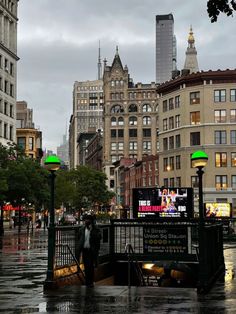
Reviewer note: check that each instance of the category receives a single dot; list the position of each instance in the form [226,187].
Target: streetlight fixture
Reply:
[52,164]
[199,160]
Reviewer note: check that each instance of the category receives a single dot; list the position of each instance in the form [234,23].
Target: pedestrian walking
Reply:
[89,246]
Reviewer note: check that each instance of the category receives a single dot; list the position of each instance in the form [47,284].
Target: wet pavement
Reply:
[23,263]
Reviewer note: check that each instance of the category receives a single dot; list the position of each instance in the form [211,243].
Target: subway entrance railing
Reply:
[151,241]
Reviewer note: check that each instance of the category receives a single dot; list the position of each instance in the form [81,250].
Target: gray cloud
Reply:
[58,44]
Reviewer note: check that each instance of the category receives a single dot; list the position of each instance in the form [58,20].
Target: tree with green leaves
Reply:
[215,7]
[82,187]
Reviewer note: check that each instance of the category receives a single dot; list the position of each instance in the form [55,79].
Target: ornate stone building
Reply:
[8,73]
[130,117]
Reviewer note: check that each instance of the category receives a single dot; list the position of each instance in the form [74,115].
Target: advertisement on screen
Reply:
[217,210]
[163,202]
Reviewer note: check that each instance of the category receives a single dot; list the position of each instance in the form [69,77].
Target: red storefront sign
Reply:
[10,207]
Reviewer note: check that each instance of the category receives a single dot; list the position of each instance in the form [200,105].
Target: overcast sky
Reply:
[58,45]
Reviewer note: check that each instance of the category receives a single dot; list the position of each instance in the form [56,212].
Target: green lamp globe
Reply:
[52,163]
[199,159]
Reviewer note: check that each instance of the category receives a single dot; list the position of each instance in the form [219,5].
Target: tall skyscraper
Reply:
[8,74]
[165,47]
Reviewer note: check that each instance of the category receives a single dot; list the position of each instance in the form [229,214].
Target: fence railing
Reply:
[150,241]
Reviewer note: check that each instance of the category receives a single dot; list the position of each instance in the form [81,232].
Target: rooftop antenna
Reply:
[99,62]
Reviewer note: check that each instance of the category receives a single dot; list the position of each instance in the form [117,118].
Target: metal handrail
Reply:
[129,250]
[80,273]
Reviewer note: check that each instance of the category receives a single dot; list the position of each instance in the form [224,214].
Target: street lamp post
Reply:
[199,160]
[52,164]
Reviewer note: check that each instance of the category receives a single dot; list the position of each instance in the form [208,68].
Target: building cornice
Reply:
[12,54]
[199,78]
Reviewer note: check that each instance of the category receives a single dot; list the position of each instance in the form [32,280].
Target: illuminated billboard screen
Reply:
[163,202]
[218,210]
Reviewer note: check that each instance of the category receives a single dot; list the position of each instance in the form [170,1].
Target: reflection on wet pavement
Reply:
[23,263]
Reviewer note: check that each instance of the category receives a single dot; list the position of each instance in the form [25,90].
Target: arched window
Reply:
[120,121]
[157,108]
[132,120]
[133,108]
[147,108]
[146,120]
[113,121]
[117,109]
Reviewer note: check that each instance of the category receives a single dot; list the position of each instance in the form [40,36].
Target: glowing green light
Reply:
[199,155]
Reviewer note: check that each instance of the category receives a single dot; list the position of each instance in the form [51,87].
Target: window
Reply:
[114,158]
[171,104]
[146,120]
[220,116]
[5,131]
[172,182]
[178,181]
[112,183]
[11,133]
[195,98]
[133,121]
[113,133]
[11,90]
[233,159]
[195,117]
[146,132]
[164,105]
[133,145]
[120,121]
[171,142]
[31,143]
[233,182]
[120,133]
[171,164]
[221,182]
[165,143]
[177,141]
[233,95]
[11,111]
[177,121]
[171,123]
[147,108]
[219,95]
[132,132]
[178,162]
[165,164]
[220,137]
[113,146]
[133,108]
[177,101]
[11,68]
[194,181]
[195,138]
[21,142]
[117,109]
[165,125]
[5,108]
[220,160]
[113,121]
[165,182]
[6,87]
[233,137]
[233,115]
[146,145]
[121,146]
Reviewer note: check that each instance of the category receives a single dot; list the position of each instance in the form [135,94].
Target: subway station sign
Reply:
[167,239]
